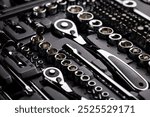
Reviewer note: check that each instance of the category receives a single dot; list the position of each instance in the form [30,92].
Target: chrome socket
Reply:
[51,55]
[95,24]
[62,5]
[35,58]
[85,17]
[64,65]
[111,98]
[105,95]
[104,32]
[84,79]
[97,92]
[71,71]
[40,63]
[130,4]
[38,27]
[52,8]
[39,11]
[73,11]
[83,20]
[78,75]
[30,55]
[143,60]
[58,58]
[124,46]
[134,52]
[43,47]
[114,39]
[25,50]
[90,86]
[35,41]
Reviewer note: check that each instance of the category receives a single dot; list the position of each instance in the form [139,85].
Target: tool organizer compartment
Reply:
[74,50]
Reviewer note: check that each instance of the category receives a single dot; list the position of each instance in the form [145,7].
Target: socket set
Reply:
[74,50]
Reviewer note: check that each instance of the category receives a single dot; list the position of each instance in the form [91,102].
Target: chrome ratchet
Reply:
[54,76]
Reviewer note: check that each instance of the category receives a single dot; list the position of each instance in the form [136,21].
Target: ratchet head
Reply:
[55,76]
[68,28]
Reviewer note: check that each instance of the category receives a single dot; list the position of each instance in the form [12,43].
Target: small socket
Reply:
[90,86]
[134,52]
[71,71]
[97,92]
[124,46]
[43,47]
[58,58]
[51,55]
[62,5]
[95,24]
[105,95]
[39,11]
[25,50]
[85,16]
[78,74]
[35,41]
[129,3]
[64,65]
[143,60]
[114,39]
[84,79]
[52,8]
[73,11]
[104,32]
[111,98]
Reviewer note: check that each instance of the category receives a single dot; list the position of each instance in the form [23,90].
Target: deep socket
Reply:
[51,55]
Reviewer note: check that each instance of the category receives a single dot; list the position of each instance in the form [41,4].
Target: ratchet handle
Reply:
[127,73]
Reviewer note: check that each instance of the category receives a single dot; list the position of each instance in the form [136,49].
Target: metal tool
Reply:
[104,32]
[39,11]
[114,39]
[84,79]
[5,77]
[124,46]
[54,76]
[73,11]
[4,94]
[64,65]
[143,59]
[134,52]
[51,8]
[43,47]
[97,92]
[78,74]
[95,24]
[58,58]
[28,90]
[111,98]
[105,95]
[39,91]
[62,5]
[67,27]
[51,55]
[84,18]
[71,70]
[90,86]
[75,53]
[35,41]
